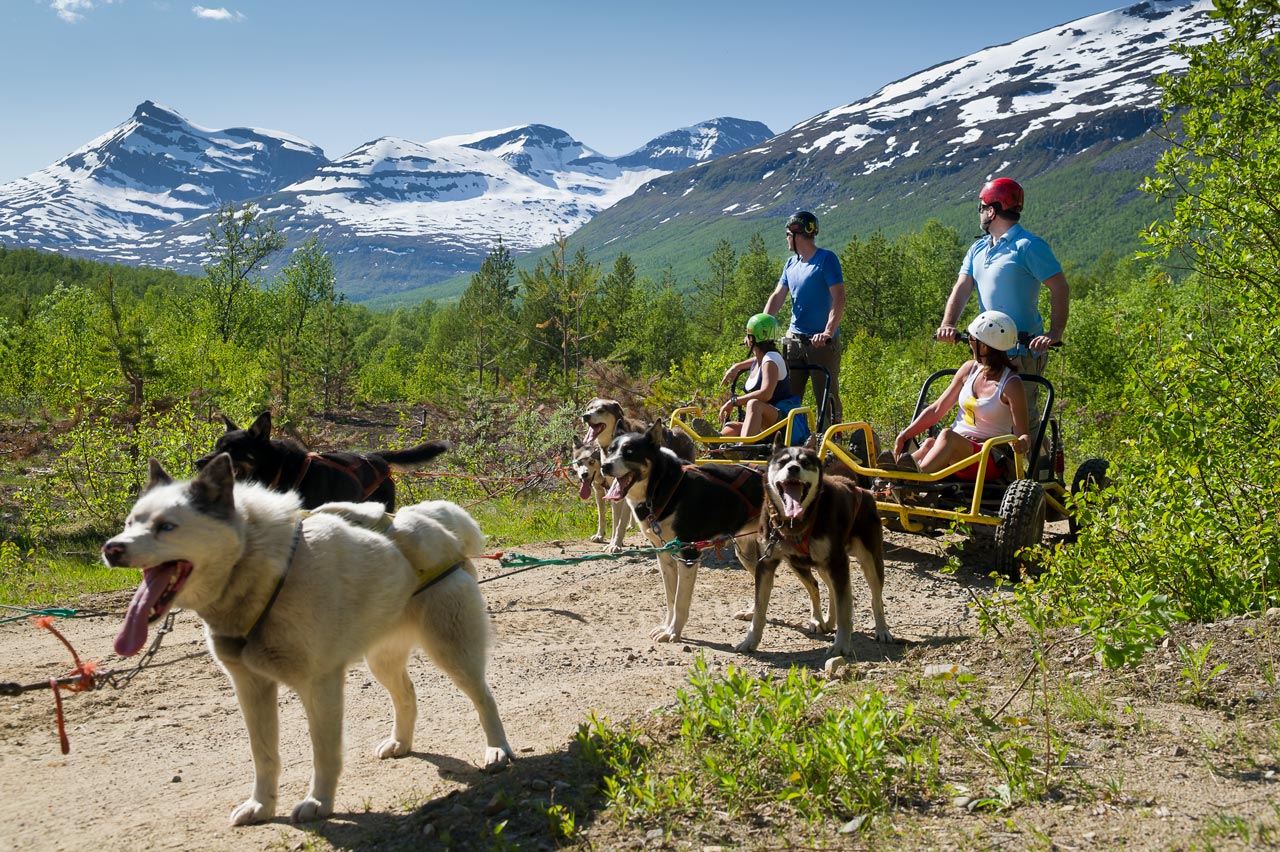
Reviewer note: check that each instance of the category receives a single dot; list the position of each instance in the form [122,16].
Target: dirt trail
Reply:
[160,763]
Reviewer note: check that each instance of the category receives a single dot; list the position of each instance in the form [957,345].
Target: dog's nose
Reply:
[113,553]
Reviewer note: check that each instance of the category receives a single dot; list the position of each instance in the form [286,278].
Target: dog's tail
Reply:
[413,456]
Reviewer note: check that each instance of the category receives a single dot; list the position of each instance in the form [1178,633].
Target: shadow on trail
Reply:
[504,810]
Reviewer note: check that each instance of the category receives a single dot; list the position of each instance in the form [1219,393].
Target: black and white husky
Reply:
[815,521]
[296,598]
[672,500]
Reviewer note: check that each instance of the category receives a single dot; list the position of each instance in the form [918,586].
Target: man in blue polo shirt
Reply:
[816,283]
[1008,267]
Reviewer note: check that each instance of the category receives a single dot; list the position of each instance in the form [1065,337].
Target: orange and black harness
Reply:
[798,534]
[353,470]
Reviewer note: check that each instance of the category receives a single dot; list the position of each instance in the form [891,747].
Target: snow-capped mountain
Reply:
[155,170]
[392,212]
[688,146]
[1068,111]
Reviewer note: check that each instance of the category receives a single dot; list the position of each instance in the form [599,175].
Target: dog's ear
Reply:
[213,489]
[614,407]
[229,423]
[204,460]
[779,440]
[577,443]
[156,476]
[261,428]
[812,442]
[657,434]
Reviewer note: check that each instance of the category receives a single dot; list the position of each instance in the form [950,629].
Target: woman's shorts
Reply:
[994,468]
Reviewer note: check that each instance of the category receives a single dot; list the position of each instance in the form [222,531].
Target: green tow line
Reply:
[27,613]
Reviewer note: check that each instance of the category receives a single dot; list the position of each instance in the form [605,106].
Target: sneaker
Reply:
[886,461]
[907,462]
[700,426]
[732,452]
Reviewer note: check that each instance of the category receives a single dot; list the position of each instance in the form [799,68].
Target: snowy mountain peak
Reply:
[155,170]
[1060,76]
[704,141]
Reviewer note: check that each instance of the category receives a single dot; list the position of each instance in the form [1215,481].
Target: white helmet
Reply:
[996,329]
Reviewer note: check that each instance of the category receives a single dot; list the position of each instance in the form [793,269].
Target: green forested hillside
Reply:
[1087,206]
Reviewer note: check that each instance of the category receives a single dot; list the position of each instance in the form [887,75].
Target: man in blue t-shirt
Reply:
[1008,267]
[813,278]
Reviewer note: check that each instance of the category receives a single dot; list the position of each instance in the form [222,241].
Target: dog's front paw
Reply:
[883,635]
[749,644]
[745,614]
[310,809]
[252,811]
[392,747]
[495,759]
[612,548]
[598,537]
[663,633]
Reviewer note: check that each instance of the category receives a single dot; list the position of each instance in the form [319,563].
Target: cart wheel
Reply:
[1091,475]
[1021,524]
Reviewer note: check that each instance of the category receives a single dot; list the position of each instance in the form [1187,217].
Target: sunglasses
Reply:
[982,207]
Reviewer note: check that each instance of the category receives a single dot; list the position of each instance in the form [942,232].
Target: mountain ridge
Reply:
[392,209]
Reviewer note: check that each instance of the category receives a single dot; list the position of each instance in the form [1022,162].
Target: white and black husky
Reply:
[672,500]
[295,598]
[815,521]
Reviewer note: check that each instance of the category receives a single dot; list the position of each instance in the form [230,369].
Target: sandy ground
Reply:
[160,762]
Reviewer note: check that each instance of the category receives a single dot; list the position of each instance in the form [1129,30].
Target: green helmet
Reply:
[762,327]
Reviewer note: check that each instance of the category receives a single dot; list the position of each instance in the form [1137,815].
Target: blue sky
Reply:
[339,73]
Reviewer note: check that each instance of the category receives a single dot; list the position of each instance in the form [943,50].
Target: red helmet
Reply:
[1003,191]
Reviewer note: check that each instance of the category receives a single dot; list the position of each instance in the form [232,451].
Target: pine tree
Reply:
[488,312]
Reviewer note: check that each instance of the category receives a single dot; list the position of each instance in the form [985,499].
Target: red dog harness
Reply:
[352,470]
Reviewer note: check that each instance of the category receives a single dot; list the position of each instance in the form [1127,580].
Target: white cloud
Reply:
[219,14]
[72,11]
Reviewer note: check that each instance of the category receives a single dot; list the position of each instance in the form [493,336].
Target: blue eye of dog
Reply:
[166,526]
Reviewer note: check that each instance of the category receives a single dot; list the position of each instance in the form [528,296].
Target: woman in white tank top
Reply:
[990,396]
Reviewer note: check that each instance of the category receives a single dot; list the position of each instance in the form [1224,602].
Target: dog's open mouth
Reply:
[151,601]
[584,486]
[593,431]
[620,487]
[793,492]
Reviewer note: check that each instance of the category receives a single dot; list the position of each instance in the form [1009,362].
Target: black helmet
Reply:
[803,222]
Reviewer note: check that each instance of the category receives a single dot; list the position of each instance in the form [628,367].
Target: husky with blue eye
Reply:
[295,598]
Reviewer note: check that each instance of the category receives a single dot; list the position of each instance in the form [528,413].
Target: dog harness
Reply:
[798,534]
[352,470]
[275,593]
[426,579]
[658,511]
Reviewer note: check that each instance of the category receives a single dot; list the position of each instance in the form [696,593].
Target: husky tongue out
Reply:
[151,601]
[593,431]
[620,487]
[792,492]
[584,487]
